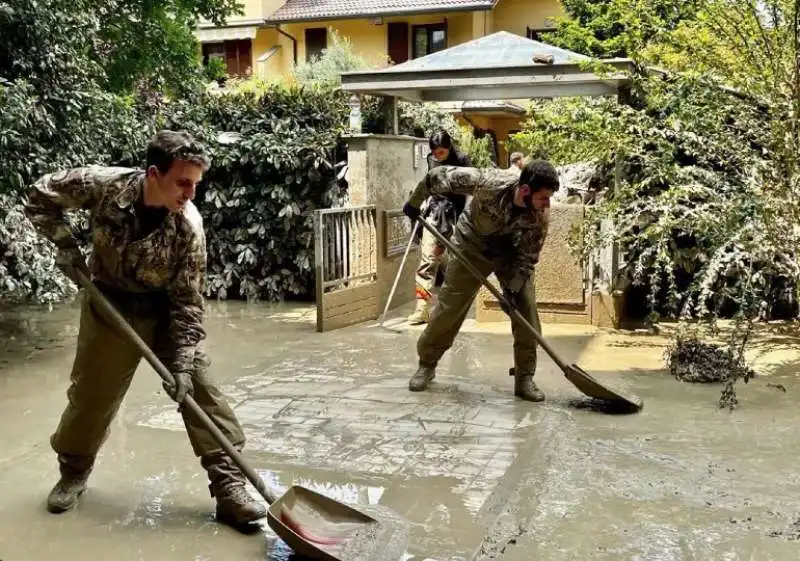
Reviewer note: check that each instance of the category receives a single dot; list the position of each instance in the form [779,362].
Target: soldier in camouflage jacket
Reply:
[149,259]
[501,231]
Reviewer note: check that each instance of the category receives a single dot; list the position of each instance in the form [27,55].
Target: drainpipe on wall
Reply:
[294,40]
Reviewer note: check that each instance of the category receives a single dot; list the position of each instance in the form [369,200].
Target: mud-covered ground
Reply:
[478,474]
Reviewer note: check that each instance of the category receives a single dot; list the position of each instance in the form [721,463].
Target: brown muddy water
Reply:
[477,474]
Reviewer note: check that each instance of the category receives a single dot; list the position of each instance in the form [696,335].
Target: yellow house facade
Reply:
[272,36]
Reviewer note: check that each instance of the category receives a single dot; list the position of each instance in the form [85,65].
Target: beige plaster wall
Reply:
[559,277]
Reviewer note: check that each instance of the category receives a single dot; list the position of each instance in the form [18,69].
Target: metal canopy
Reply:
[500,66]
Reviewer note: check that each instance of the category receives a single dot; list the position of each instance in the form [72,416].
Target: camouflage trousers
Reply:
[455,299]
[104,366]
[432,256]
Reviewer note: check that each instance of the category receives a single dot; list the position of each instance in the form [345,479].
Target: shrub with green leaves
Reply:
[262,187]
[686,209]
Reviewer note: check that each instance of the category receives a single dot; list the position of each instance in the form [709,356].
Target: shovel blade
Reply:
[591,387]
[322,529]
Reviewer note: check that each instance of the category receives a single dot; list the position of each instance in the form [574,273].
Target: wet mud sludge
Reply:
[476,474]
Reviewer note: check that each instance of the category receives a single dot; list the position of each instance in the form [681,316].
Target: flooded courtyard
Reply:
[477,473]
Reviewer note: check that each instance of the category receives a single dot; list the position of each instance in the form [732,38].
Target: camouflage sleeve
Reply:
[447,179]
[187,305]
[529,245]
[56,192]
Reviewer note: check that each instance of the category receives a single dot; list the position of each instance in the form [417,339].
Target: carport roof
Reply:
[500,66]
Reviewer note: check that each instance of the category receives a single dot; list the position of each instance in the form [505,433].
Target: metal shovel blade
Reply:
[591,387]
[320,528]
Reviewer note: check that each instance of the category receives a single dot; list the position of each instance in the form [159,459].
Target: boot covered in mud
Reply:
[75,472]
[421,314]
[235,506]
[422,378]
[524,386]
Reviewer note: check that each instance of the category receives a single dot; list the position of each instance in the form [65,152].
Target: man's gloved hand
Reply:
[183,386]
[412,212]
[71,260]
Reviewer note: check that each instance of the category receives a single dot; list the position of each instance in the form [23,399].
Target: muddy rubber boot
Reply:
[422,378]
[525,388]
[235,506]
[72,484]
[421,314]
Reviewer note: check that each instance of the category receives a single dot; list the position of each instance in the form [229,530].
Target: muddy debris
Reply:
[777,387]
[605,406]
[694,361]
[792,533]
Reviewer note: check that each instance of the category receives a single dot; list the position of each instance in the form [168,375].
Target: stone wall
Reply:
[559,277]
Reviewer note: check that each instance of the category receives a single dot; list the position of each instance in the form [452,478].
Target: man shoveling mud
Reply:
[501,231]
[149,259]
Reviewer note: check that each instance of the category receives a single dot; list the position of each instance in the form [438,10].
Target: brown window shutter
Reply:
[232,58]
[245,56]
[398,41]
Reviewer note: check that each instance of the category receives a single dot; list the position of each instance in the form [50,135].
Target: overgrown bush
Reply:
[325,69]
[686,208]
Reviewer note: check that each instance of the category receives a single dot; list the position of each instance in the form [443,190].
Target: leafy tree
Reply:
[618,28]
[707,206]
[325,69]
[117,44]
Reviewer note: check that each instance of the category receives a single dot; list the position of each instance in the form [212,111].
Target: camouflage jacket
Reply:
[491,222]
[171,259]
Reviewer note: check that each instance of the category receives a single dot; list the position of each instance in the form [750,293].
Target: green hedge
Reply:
[255,199]
[261,189]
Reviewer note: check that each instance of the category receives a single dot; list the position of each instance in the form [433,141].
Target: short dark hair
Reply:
[440,139]
[167,146]
[539,174]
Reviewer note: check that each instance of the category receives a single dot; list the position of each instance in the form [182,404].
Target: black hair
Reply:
[441,139]
[168,146]
[539,174]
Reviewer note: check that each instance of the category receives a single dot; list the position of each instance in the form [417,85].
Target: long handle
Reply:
[400,271]
[513,312]
[112,314]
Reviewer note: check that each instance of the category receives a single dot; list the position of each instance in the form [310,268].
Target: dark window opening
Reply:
[316,42]
[397,35]
[429,39]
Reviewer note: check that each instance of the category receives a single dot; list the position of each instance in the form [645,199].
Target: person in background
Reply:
[442,212]
[516,159]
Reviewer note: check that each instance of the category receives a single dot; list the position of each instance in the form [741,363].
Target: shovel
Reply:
[313,525]
[397,279]
[574,373]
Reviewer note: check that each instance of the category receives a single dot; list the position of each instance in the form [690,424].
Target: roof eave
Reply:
[385,14]
[490,83]
[393,75]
